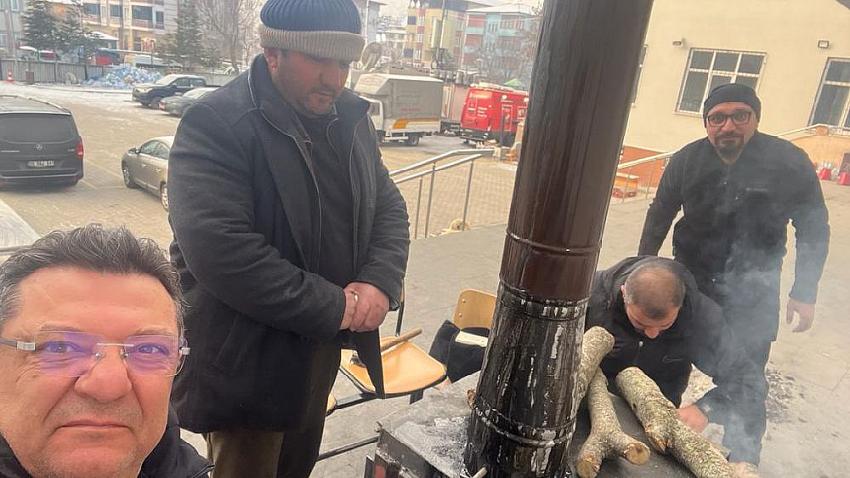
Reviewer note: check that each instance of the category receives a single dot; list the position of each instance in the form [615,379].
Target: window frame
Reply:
[711,72]
[844,119]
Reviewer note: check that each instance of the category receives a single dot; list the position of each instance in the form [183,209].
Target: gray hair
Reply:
[655,286]
[91,247]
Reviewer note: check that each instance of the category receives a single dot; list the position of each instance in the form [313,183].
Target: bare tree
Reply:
[231,24]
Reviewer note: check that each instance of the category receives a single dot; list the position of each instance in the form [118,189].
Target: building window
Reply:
[4,40]
[833,103]
[710,68]
[411,20]
[91,9]
[142,13]
[17,5]
[420,38]
[160,20]
[115,11]
[639,71]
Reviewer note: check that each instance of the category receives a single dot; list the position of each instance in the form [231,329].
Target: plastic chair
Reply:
[407,368]
[474,308]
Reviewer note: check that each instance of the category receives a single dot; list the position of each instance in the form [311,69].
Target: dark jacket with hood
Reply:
[699,336]
[171,458]
[246,215]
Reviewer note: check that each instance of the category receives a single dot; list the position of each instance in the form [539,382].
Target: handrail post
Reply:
[468,190]
[418,207]
[430,197]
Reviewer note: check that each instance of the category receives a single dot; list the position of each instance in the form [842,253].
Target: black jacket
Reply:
[700,336]
[246,216]
[735,217]
[171,458]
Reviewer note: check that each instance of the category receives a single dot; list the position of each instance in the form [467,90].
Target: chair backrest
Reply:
[474,309]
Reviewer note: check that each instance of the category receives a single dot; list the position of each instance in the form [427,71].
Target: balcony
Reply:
[142,23]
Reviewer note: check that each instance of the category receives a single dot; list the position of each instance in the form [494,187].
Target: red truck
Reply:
[492,112]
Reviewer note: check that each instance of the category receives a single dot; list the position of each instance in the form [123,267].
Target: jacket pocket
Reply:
[237,344]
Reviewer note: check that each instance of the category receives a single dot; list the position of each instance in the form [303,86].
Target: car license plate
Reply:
[41,164]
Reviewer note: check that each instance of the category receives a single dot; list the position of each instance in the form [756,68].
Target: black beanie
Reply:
[321,28]
[732,93]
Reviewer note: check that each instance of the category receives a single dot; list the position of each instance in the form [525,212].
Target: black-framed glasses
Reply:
[74,354]
[739,118]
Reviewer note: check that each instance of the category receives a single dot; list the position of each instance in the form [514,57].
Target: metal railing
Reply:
[632,183]
[429,168]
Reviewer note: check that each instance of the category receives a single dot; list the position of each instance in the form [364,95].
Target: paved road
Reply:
[111,123]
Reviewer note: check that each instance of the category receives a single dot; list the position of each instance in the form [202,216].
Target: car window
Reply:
[37,128]
[197,82]
[149,148]
[182,82]
[165,80]
[161,151]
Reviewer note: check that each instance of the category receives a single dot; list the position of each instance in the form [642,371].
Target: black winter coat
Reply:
[700,336]
[246,216]
[735,217]
[171,458]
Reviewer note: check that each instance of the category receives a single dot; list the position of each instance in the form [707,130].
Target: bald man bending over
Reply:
[663,325]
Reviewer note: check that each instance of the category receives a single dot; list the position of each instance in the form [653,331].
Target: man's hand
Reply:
[806,312]
[351,299]
[693,417]
[742,469]
[371,307]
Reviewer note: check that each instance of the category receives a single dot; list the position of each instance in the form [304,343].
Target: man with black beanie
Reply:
[738,189]
[290,238]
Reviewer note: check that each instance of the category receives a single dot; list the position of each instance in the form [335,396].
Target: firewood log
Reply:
[665,431]
[606,437]
[595,345]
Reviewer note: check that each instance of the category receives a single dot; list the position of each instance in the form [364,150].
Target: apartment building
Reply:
[136,24]
[11,26]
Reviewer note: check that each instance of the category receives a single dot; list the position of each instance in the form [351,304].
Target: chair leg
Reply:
[346,448]
[416,396]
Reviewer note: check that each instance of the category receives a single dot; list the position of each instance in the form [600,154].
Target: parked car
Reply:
[176,105]
[147,167]
[39,142]
[169,85]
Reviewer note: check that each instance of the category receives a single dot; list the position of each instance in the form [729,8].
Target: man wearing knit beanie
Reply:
[291,241]
[738,189]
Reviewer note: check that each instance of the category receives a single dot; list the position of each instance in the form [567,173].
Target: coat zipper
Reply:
[315,185]
[355,204]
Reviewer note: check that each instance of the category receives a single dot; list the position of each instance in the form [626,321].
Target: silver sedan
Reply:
[147,167]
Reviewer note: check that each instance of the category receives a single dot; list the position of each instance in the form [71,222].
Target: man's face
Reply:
[648,326]
[105,422]
[726,129]
[309,84]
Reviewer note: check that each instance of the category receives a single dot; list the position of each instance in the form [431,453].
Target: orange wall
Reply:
[649,174]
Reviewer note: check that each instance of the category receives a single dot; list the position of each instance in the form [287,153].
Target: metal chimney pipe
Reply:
[524,411]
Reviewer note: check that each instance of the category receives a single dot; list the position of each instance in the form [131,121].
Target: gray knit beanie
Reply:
[320,28]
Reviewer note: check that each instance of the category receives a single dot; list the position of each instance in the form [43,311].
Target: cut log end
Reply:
[637,453]
[588,467]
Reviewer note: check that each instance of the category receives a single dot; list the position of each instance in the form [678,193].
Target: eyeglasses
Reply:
[739,118]
[74,354]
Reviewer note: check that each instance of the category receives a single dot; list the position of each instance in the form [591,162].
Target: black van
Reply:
[39,142]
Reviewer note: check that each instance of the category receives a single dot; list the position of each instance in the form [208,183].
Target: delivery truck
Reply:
[492,112]
[402,107]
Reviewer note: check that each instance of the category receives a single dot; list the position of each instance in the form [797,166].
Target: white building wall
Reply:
[786,31]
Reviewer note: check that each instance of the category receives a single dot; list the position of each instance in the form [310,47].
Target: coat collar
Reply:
[350,108]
